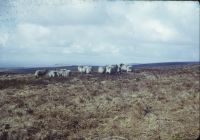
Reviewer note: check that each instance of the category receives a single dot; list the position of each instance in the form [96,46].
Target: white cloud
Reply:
[32,31]
[159,31]
[102,31]
[3,39]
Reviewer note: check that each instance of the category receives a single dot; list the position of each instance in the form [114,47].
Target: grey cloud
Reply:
[100,32]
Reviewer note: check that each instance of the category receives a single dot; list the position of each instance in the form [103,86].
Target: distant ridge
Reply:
[163,64]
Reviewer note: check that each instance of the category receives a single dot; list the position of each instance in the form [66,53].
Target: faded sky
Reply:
[65,32]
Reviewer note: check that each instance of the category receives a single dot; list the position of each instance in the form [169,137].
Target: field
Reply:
[159,103]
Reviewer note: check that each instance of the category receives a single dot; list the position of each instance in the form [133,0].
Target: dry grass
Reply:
[150,104]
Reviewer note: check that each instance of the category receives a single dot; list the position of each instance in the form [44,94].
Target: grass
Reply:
[151,104]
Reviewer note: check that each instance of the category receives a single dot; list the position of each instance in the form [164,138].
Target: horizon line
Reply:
[67,65]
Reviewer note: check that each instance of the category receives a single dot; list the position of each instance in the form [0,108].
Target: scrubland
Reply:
[147,104]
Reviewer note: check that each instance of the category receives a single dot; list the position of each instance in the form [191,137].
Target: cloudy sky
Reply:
[65,32]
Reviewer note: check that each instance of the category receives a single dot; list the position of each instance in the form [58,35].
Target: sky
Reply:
[74,32]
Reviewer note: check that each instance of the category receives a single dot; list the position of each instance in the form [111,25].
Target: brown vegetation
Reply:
[148,104]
